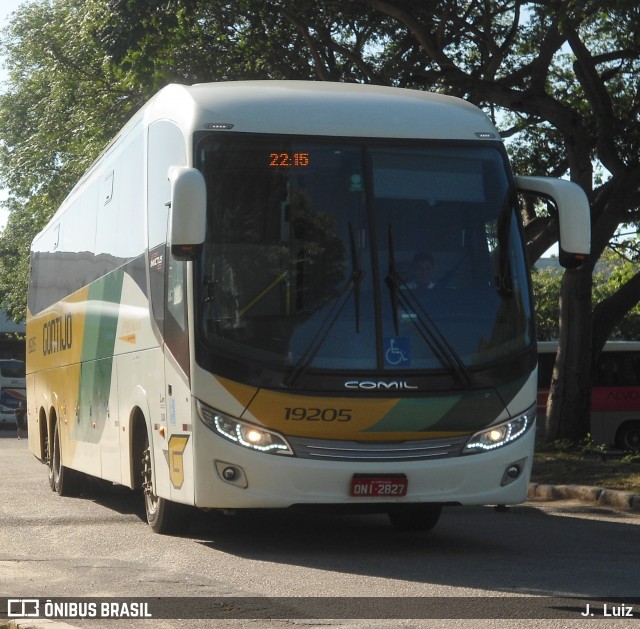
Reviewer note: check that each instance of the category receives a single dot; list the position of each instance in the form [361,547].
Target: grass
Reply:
[563,463]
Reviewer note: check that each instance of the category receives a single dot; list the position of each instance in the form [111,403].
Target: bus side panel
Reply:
[107,415]
[79,434]
[611,408]
[180,430]
[43,397]
[136,359]
[43,405]
[36,444]
[133,397]
[603,432]
[141,386]
[53,394]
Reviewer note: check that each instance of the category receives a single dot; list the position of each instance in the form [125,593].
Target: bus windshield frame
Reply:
[369,256]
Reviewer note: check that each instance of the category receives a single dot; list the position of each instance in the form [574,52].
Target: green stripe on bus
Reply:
[101,323]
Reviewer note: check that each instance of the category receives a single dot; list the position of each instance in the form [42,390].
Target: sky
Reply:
[7,7]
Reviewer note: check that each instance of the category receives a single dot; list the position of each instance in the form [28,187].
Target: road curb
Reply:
[617,499]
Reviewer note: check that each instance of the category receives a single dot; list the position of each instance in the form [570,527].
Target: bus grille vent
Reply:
[368,451]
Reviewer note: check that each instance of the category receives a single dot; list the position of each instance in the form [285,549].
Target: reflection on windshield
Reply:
[297,260]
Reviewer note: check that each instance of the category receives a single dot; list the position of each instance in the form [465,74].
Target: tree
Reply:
[61,107]
[617,265]
[560,78]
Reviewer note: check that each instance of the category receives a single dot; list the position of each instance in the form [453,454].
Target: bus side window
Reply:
[176,303]
[175,321]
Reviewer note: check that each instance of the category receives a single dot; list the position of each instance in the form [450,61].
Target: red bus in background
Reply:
[615,393]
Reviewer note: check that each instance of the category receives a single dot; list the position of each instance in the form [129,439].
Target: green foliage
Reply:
[631,458]
[585,445]
[546,295]
[588,446]
[615,269]
[61,107]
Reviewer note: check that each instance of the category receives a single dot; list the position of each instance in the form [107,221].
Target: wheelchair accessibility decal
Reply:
[397,351]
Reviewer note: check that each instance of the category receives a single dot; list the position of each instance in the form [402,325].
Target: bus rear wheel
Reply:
[416,517]
[628,437]
[163,516]
[62,480]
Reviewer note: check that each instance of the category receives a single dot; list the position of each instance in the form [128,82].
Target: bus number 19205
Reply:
[299,413]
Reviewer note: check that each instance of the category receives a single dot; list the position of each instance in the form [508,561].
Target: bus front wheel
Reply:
[163,516]
[415,517]
[628,437]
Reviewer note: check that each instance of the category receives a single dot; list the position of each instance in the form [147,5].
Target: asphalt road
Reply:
[477,562]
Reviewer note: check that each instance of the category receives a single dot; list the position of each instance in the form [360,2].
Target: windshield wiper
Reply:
[392,282]
[403,295]
[351,287]
[356,276]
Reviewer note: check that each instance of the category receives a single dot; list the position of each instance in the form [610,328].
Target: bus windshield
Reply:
[361,254]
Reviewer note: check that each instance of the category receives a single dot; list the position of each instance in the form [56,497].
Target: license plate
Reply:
[373,486]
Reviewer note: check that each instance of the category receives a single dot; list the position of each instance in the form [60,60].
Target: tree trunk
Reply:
[569,399]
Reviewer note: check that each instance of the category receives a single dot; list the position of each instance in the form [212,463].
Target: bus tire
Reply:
[628,437]
[415,517]
[63,480]
[163,516]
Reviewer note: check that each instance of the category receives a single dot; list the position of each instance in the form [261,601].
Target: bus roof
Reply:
[313,108]
[319,108]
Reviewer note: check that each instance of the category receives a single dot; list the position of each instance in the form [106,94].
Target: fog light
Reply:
[229,474]
[232,474]
[513,472]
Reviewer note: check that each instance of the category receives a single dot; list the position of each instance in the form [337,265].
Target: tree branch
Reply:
[599,99]
[322,71]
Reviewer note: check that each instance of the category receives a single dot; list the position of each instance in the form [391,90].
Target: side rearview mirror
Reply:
[188,212]
[574,215]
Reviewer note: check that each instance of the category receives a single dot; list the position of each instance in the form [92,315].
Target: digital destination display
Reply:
[288,160]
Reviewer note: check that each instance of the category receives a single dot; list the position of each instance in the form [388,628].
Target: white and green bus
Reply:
[226,312]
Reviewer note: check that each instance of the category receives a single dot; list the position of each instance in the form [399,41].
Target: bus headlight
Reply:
[501,434]
[244,434]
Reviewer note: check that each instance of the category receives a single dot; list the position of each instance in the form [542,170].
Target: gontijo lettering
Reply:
[57,335]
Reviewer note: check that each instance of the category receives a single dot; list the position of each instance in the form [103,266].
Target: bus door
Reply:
[176,368]
[173,442]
